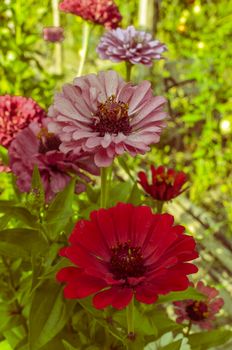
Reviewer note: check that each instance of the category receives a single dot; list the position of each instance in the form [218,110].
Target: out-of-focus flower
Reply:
[16,112]
[104,12]
[53,34]
[166,184]
[4,168]
[35,146]
[124,251]
[106,116]
[201,313]
[130,45]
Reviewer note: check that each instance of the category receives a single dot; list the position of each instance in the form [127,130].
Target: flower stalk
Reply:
[129,67]
[57,45]
[104,187]
[130,319]
[85,42]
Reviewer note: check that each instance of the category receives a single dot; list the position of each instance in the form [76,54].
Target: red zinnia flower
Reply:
[166,183]
[201,313]
[104,12]
[124,251]
[16,112]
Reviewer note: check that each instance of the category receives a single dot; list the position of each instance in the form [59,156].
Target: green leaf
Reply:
[68,346]
[119,192]
[21,242]
[206,340]
[190,293]
[60,210]
[37,184]
[48,314]
[176,345]
[135,195]
[19,213]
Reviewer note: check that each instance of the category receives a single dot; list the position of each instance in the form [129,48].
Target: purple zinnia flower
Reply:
[35,146]
[53,34]
[106,116]
[130,45]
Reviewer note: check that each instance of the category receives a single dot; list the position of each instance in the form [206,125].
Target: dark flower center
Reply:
[112,117]
[197,311]
[126,261]
[48,142]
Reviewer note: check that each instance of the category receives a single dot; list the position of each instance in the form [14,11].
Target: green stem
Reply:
[130,318]
[85,41]
[104,187]
[159,207]
[129,67]
[188,329]
[58,45]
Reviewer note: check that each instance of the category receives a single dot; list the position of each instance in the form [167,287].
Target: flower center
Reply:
[126,261]
[197,311]
[165,178]
[48,142]
[112,117]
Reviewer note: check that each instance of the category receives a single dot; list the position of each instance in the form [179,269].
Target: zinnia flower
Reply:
[35,146]
[104,12]
[16,112]
[130,45]
[201,313]
[166,183]
[104,115]
[53,34]
[127,251]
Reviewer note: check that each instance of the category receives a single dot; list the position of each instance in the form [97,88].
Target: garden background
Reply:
[195,77]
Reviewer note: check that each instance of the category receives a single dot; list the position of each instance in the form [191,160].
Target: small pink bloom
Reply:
[130,45]
[53,34]
[16,112]
[202,312]
[104,12]
[35,146]
[106,116]
[4,168]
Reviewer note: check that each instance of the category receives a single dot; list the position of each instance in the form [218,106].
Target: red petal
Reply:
[85,286]
[145,295]
[68,273]
[104,298]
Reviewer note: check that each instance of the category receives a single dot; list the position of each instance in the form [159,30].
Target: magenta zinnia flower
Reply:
[201,313]
[53,34]
[106,116]
[16,112]
[127,251]
[130,45]
[35,146]
[165,185]
[104,12]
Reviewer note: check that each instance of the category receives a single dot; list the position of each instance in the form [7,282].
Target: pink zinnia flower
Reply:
[35,146]
[104,12]
[127,251]
[53,34]
[201,313]
[130,45]
[16,112]
[166,183]
[106,116]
